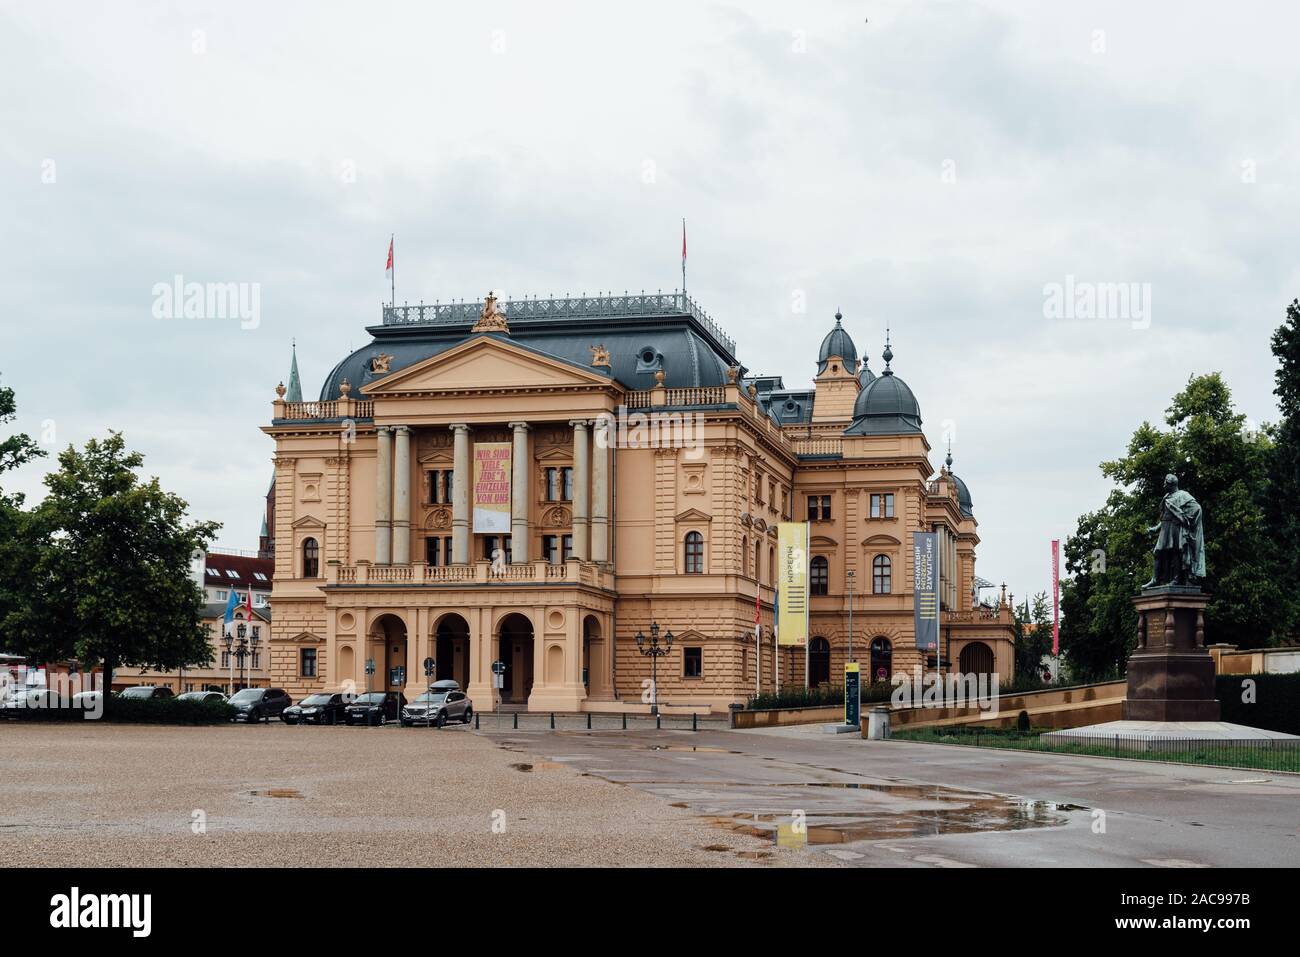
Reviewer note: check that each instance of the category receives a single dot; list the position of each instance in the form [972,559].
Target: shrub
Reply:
[138,711]
[1276,706]
[1022,721]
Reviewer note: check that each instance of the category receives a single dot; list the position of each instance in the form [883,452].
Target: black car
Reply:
[259,704]
[323,708]
[375,707]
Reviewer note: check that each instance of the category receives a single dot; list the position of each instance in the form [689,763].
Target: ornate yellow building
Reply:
[647,474]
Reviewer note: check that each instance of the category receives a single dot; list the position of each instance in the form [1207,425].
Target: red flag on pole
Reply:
[388,269]
[1056,597]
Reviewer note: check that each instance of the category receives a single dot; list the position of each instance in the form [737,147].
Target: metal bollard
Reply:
[552,720]
[588,720]
[475,720]
[695,726]
[658,723]
[516,720]
[624,720]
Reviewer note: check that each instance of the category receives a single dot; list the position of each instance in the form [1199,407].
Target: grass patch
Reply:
[1226,754]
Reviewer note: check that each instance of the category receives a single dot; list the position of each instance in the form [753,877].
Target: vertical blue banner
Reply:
[925,590]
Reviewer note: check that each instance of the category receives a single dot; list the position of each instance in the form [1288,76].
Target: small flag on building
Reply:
[231,604]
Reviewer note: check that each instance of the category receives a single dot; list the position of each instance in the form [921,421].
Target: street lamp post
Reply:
[240,651]
[849,575]
[654,651]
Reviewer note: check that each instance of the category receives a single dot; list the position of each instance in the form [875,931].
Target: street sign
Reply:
[370,666]
[498,667]
[852,694]
[397,676]
[428,667]
[498,681]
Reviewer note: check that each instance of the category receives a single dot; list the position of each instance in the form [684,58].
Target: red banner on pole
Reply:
[1056,597]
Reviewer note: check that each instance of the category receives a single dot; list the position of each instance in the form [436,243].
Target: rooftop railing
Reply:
[604,305]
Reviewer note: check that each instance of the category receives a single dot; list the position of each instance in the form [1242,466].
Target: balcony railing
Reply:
[475,573]
[827,446]
[334,409]
[607,305]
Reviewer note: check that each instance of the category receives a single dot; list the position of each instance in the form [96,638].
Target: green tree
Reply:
[15,539]
[1283,496]
[1032,630]
[1108,558]
[110,584]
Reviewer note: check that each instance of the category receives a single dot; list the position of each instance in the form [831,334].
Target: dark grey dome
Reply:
[885,407]
[837,343]
[963,493]
[865,375]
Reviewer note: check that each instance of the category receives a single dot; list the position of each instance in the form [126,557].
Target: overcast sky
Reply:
[930,166]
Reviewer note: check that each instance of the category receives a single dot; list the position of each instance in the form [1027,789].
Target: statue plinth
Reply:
[1171,673]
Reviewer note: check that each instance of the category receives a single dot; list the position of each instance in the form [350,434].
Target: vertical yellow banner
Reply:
[792,583]
[491,487]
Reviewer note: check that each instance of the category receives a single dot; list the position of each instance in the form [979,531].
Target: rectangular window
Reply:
[434,491]
[257,659]
[568,484]
[568,547]
[447,487]
[813,508]
[432,550]
[446,550]
[491,543]
[225,659]
[552,485]
[548,549]
[882,505]
[692,662]
[308,663]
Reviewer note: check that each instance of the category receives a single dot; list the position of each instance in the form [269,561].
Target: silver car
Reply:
[443,702]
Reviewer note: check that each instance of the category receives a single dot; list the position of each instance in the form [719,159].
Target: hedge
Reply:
[137,711]
[1276,705]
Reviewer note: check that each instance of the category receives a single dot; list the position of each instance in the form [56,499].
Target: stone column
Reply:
[581,478]
[402,498]
[600,455]
[384,496]
[521,468]
[460,495]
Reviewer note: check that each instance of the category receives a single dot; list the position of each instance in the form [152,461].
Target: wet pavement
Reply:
[804,793]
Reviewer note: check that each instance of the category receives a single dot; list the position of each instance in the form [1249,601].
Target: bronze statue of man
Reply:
[1180,547]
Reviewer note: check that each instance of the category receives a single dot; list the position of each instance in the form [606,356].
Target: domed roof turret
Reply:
[886,406]
[963,493]
[865,375]
[838,343]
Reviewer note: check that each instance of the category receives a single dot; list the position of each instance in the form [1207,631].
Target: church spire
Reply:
[295,385]
[888,354]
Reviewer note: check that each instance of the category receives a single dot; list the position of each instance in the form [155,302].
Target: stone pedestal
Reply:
[1171,673]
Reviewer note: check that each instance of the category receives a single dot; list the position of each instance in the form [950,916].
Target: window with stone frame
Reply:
[693,662]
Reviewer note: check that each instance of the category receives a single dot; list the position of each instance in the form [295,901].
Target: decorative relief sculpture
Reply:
[491,319]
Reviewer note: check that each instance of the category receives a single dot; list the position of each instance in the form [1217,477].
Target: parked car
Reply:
[22,698]
[323,708]
[87,700]
[203,696]
[259,704]
[443,702]
[375,707]
[146,692]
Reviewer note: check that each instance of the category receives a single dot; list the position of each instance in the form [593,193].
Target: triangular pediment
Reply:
[694,515]
[308,521]
[485,363]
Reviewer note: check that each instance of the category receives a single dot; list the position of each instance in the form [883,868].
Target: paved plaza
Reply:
[112,796]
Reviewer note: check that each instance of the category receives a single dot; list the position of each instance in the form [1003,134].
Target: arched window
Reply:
[758,561]
[771,566]
[882,659]
[310,558]
[819,662]
[881,575]
[694,553]
[744,554]
[819,576]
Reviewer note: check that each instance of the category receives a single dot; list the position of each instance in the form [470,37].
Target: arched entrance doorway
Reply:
[515,649]
[819,662]
[388,649]
[976,659]
[882,659]
[451,649]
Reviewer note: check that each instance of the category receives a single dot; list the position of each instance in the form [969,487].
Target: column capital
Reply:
[400,428]
[383,429]
[580,423]
[459,427]
[519,426]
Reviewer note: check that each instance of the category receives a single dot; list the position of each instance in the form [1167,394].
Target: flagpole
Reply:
[683,259]
[393,272]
